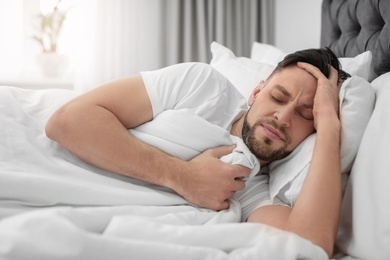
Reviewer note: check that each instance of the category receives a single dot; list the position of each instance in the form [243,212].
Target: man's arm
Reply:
[94,127]
[315,214]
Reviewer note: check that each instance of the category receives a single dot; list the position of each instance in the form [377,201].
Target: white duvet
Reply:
[54,206]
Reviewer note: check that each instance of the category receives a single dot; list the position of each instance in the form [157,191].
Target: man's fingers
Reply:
[313,70]
[240,171]
[220,151]
[225,205]
[239,184]
[333,76]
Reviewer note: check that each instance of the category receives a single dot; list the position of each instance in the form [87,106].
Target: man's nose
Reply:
[284,116]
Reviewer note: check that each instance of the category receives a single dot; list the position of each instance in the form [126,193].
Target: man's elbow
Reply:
[59,124]
[326,244]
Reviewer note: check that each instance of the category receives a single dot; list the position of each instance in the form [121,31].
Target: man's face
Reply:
[280,115]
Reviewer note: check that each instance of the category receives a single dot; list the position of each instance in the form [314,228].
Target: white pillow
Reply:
[266,53]
[357,100]
[244,73]
[359,65]
[364,222]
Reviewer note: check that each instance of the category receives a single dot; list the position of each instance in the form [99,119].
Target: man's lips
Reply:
[272,133]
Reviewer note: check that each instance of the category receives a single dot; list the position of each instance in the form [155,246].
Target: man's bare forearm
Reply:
[95,135]
[316,212]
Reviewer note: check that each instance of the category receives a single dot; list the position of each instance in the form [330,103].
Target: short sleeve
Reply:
[255,195]
[182,84]
[197,87]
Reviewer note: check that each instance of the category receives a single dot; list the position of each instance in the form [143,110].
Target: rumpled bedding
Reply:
[55,206]
[364,231]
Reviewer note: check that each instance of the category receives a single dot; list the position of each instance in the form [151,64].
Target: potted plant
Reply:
[49,29]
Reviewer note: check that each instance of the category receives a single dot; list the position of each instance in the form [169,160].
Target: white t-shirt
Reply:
[194,86]
[207,93]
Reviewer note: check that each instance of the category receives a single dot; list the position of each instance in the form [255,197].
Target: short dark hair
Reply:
[321,58]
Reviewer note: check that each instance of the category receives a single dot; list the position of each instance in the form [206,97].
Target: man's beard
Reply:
[262,149]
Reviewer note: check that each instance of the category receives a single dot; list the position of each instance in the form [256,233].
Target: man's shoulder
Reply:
[201,75]
[198,68]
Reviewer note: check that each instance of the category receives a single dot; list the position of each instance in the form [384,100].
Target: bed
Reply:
[55,206]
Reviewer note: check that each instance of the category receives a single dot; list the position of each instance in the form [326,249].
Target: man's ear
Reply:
[255,92]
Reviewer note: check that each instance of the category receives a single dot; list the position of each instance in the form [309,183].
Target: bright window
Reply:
[11,37]
[19,22]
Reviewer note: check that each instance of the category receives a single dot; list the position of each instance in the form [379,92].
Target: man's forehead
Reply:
[306,94]
[292,70]
[293,76]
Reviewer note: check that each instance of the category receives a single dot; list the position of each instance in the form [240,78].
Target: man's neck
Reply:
[237,127]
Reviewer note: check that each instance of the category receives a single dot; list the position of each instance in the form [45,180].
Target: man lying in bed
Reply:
[300,97]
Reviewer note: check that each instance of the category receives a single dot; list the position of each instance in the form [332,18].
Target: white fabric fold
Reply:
[55,206]
[185,135]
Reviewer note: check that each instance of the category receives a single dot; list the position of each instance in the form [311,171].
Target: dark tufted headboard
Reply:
[350,27]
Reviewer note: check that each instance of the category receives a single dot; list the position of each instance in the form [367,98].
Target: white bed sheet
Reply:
[54,206]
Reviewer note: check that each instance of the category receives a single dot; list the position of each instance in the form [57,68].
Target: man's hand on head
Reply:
[326,100]
[209,182]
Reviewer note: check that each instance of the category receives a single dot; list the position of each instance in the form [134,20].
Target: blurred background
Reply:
[78,44]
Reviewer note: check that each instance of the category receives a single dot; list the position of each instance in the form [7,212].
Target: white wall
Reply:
[297,24]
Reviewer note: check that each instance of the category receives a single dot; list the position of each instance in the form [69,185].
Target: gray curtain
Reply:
[125,37]
[189,26]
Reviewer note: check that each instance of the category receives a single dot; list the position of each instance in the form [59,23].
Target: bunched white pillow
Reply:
[262,52]
[357,99]
[245,74]
[364,221]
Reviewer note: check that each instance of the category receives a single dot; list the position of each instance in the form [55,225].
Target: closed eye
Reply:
[307,115]
[280,95]
[277,99]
